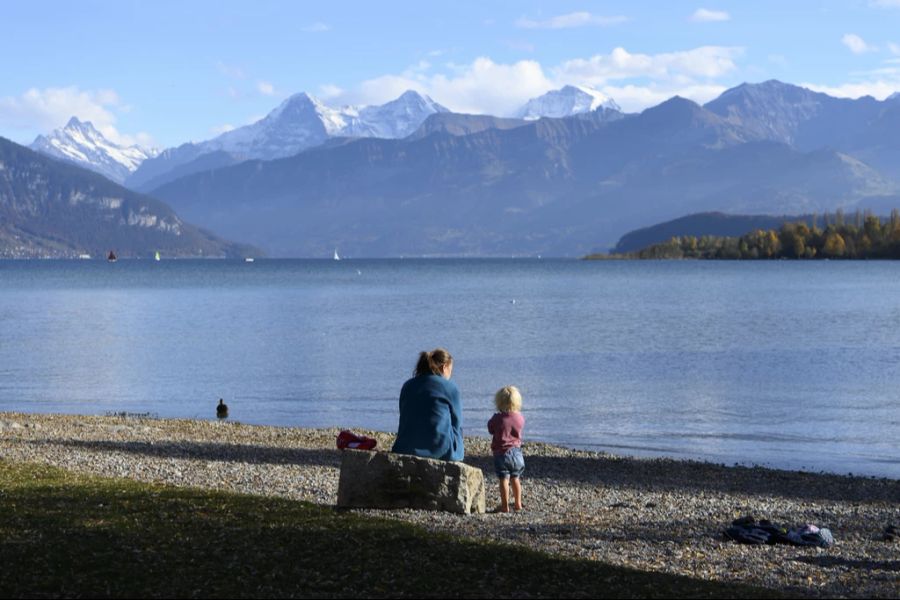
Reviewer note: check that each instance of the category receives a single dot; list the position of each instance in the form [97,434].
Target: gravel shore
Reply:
[649,514]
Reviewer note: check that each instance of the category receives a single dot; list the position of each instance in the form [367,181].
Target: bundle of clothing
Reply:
[748,530]
[348,439]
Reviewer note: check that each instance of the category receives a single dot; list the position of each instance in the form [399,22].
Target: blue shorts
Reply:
[509,464]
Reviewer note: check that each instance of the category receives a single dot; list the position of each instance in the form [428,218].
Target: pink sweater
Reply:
[507,431]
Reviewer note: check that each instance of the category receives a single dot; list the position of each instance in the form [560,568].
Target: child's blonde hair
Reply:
[508,399]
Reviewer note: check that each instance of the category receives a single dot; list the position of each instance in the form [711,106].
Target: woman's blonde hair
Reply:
[508,399]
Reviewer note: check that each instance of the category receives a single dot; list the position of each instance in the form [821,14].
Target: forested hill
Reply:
[715,224]
[857,237]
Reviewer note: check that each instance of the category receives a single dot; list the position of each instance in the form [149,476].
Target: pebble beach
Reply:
[649,514]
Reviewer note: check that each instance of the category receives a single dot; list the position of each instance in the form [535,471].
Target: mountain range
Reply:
[52,208]
[554,186]
[300,122]
[411,178]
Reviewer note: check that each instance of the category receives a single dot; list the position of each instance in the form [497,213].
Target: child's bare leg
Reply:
[517,492]
[504,494]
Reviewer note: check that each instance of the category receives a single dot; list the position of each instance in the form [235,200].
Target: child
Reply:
[506,426]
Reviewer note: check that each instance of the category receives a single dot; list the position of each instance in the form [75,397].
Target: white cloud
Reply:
[685,66]
[879,89]
[894,48]
[144,139]
[635,98]
[635,81]
[51,108]
[265,88]
[330,90]
[570,20]
[317,27]
[420,67]
[703,15]
[482,86]
[856,44]
[220,129]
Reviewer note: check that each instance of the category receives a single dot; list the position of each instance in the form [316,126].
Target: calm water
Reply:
[793,365]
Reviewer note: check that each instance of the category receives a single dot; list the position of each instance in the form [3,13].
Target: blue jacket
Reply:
[430,419]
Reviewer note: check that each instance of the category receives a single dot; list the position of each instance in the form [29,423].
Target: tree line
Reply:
[864,235]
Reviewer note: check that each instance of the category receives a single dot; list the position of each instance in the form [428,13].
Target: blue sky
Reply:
[165,72]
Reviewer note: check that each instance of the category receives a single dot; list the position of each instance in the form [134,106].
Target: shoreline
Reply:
[652,514]
[675,456]
[597,448]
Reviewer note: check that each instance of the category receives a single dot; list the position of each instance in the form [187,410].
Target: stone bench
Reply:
[387,480]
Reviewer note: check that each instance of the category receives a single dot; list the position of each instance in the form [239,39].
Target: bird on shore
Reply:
[222,409]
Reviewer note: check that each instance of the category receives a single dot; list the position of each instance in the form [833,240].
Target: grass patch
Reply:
[68,535]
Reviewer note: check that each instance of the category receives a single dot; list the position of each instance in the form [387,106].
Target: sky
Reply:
[166,72]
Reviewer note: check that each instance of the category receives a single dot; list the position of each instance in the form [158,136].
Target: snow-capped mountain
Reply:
[300,122]
[303,121]
[566,102]
[79,142]
[395,119]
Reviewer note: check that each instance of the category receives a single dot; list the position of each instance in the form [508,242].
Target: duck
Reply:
[222,409]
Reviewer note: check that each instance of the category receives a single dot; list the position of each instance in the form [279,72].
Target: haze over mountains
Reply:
[411,178]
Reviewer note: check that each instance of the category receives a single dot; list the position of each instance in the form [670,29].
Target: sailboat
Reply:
[111,257]
[156,257]
[336,257]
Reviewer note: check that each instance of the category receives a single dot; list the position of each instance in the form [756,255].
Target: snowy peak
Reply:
[566,102]
[298,108]
[75,125]
[411,103]
[303,121]
[299,122]
[395,119]
[80,142]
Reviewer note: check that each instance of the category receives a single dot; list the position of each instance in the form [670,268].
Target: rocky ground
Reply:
[649,514]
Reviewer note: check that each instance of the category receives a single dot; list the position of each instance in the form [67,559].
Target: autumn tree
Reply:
[834,245]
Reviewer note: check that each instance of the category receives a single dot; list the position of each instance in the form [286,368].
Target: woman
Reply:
[430,410]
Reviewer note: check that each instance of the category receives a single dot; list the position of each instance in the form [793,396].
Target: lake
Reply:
[785,364]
